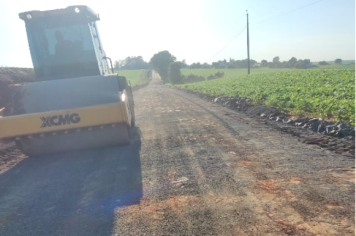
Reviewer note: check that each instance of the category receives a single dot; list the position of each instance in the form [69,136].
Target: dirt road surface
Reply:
[193,168]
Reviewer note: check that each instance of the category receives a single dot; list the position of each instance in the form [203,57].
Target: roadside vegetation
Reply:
[274,63]
[229,72]
[135,77]
[131,63]
[297,87]
[243,71]
[179,72]
[12,75]
[324,93]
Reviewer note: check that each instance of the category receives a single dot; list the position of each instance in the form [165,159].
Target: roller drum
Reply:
[86,138]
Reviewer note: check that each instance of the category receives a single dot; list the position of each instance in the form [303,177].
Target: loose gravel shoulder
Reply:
[336,136]
[9,156]
[193,168]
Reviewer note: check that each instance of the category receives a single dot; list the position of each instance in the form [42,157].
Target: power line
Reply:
[274,13]
[238,19]
[227,44]
[258,21]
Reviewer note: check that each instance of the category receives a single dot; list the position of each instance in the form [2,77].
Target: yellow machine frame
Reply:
[29,124]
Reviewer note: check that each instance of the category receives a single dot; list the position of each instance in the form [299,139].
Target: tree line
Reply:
[137,63]
[169,68]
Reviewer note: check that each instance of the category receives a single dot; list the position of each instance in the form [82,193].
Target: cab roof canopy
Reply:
[78,10]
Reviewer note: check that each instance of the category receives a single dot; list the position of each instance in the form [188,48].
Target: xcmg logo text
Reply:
[66,119]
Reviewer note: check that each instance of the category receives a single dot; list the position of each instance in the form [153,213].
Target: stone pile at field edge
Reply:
[319,125]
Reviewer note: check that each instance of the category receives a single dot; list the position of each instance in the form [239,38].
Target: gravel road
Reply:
[193,168]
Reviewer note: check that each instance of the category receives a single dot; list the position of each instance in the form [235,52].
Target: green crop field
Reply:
[324,93]
[334,66]
[136,77]
[243,71]
[230,72]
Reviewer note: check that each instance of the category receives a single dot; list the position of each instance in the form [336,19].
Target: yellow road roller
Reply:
[76,101]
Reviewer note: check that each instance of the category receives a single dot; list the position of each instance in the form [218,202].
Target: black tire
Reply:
[122,83]
[132,107]
[133,119]
[124,86]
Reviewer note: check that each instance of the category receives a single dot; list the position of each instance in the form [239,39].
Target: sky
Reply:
[201,30]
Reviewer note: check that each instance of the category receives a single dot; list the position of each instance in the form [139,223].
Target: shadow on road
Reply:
[75,193]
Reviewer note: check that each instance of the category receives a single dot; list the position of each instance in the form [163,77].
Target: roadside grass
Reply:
[243,71]
[136,77]
[326,93]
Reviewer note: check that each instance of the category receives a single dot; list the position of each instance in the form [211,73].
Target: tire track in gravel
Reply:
[222,182]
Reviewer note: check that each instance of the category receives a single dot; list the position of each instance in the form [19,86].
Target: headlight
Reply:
[77,10]
[29,16]
[123,97]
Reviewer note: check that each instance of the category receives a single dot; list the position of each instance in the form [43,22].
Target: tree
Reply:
[117,65]
[338,61]
[291,62]
[160,62]
[275,63]
[302,64]
[264,63]
[195,65]
[306,61]
[252,62]
[323,63]
[275,60]
[205,65]
[184,64]
[131,63]
[174,75]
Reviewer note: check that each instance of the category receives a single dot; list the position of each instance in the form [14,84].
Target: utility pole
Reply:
[248,47]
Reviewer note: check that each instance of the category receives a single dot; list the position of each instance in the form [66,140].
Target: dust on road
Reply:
[194,168]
